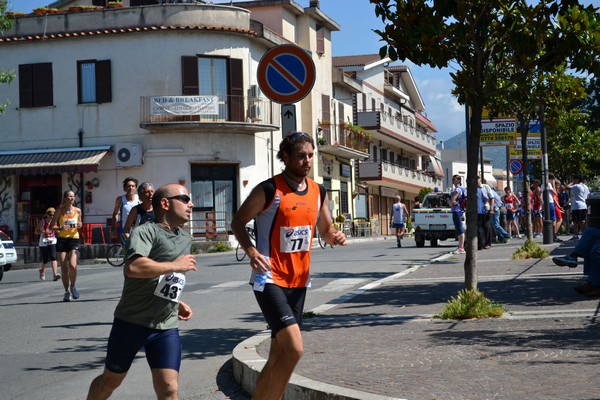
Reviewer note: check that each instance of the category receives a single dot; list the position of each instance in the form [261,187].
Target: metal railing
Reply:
[343,137]
[210,225]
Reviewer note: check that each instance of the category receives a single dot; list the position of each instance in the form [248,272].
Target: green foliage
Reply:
[5,76]
[220,247]
[423,192]
[594,183]
[530,249]
[470,304]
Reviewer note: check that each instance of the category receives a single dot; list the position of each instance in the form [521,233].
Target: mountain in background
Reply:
[497,154]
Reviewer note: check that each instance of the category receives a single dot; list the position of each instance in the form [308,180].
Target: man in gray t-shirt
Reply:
[148,314]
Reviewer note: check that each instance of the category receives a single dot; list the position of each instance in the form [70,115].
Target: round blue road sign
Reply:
[516,166]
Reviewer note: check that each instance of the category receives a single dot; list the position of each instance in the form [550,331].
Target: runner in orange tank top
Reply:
[287,209]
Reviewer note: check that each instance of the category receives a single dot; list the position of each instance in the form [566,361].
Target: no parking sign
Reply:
[286,74]
[516,166]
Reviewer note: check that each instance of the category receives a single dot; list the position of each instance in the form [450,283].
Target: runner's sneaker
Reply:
[459,250]
[575,237]
[67,296]
[42,276]
[74,292]
[56,277]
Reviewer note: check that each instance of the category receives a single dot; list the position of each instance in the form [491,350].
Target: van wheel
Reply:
[433,242]
[420,240]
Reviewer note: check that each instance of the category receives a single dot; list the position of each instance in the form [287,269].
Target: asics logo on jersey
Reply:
[296,232]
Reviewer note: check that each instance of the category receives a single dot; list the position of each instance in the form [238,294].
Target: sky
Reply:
[357,21]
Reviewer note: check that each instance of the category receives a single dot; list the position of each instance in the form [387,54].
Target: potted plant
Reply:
[114,4]
[41,10]
[321,140]
[344,125]
[325,123]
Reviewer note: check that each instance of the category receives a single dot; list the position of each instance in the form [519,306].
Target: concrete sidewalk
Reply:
[382,343]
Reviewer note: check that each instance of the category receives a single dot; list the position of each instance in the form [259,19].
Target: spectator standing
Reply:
[143,212]
[123,206]
[286,208]
[512,204]
[67,222]
[457,198]
[399,213]
[579,193]
[47,244]
[536,208]
[484,213]
[558,210]
[148,314]
[565,203]
[501,234]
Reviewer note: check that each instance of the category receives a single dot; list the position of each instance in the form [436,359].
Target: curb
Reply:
[247,364]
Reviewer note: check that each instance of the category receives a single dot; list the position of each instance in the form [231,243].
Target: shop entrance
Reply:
[35,193]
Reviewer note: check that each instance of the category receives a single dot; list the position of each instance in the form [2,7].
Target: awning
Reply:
[52,161]
[436,166]
[490,180]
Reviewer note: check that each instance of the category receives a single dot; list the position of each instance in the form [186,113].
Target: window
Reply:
[35,85]
[214,188]
[93,82]
[344,209]
[216,76]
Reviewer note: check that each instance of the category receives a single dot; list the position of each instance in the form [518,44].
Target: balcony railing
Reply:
[194,112]
[378,120]
[337,140]
[378,172]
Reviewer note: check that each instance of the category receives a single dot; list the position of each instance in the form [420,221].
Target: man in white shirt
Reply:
[579,193]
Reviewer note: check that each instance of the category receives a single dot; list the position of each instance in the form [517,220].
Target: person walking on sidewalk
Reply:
[502,235]
[47,244]
[399,213]
[286,208]
[536,212]
[143,212]
[588,248]
[579,193]
[67,222]
[457,199]
[485,209]
[148,314]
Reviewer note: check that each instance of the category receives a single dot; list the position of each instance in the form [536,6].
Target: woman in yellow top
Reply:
[67,222]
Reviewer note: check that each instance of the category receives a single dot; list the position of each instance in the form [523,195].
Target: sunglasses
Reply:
[50,214]
[184,198]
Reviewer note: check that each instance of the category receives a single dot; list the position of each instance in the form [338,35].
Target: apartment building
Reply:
[401,159]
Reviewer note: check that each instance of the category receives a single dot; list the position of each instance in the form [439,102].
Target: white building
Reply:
[160,92]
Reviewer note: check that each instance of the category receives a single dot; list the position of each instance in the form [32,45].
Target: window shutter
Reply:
[25,86]
[236,90]
[320,39]
[189,76]
[341,115]
[326,113]
[103,82]
[42,85]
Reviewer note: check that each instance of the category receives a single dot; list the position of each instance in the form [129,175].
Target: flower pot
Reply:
[75,9]
[114,5]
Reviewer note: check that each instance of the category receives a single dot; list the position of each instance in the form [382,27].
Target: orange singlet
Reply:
[285,231]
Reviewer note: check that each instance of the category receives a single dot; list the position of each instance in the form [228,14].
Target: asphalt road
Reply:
[52,350]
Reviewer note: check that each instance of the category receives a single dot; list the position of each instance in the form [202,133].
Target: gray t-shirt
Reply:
[138,304]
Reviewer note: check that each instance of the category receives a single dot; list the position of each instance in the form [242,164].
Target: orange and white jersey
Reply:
[285,229]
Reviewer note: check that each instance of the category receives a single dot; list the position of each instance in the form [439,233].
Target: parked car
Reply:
[2,261]
[9,250]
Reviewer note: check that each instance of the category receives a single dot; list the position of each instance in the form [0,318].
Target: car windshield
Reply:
[437,200]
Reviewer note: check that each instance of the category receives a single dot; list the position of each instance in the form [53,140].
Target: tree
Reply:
[5,76]
[475,36]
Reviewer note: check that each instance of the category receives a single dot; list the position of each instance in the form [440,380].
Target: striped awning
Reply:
[435,166]
[52,161]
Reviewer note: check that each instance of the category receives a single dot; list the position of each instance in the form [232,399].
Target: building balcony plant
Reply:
[114,4]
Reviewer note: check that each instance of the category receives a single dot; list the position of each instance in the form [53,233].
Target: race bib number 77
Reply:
[295,238]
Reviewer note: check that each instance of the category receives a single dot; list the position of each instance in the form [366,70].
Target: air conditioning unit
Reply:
[129,155]
[254,92]
[254,112]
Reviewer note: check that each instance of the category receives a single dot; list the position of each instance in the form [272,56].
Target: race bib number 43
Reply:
[295,238]
[170,286]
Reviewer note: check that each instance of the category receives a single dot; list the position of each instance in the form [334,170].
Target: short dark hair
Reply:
[290,142]
[129,178]
[579,177]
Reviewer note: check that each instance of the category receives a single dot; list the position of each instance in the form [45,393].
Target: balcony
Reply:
[233,114]
[343,143]
[392,175]
[388,126]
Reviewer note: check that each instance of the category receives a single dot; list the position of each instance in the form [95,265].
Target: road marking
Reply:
[340,285]
[230,284]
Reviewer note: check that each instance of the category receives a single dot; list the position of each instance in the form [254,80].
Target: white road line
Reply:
[340,285]
[230,284]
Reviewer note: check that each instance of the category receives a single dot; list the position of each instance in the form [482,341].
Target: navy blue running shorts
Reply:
[281,307]
[162,347]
